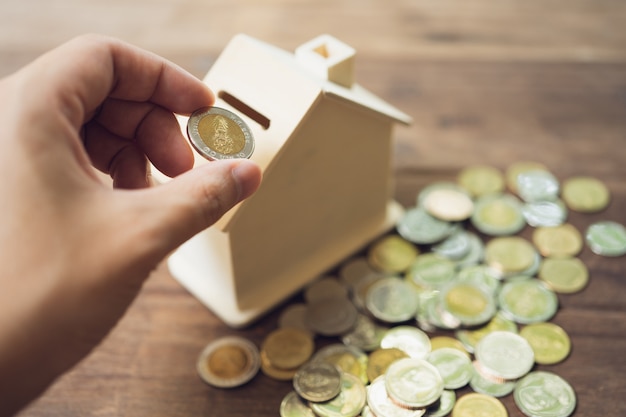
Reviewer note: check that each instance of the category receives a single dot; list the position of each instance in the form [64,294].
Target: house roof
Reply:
[274,84]
[356,94]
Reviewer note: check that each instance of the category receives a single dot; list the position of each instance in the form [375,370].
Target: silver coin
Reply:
[392,300]
[331,316]
[543,393]
[218,133]
[317,381]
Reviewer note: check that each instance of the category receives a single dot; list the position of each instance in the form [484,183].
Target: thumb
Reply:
[196,199]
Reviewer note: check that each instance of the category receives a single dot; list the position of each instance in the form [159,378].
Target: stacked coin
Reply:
[455,265]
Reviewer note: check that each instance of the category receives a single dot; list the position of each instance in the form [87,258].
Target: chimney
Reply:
[329,59]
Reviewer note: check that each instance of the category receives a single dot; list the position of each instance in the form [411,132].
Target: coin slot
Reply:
[243,108]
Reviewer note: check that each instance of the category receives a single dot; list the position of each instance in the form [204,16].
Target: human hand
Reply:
[73,251]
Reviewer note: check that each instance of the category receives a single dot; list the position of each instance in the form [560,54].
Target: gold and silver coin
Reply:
[527,301]
[217,133]
[229,362]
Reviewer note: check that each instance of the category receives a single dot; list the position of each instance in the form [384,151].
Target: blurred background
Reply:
[531,74]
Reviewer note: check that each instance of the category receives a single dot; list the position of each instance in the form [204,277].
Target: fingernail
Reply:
[247,175]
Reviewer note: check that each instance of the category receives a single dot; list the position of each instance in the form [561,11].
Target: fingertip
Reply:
[247,175]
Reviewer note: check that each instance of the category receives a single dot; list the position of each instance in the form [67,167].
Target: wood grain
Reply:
[486,82]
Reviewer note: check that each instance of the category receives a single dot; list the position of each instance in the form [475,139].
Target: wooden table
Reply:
[486,82]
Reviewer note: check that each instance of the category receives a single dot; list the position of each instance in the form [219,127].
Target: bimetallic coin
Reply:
[549,342]
[469,303]
[498,215]
[505,355]
[436,186]
[419,227]
[475,404]
[544,394]
[413,383]
[348,403]
[527,301]
[480,180]
[409,339]
[392,254]
[288,348]
[229,362]
[217,133]
[558,241]
[331,316]
[449,205]
[564,275]
[454,367]
[509,255]
[317,381]
[606,238]
[382,405]
[585,194]
[380,359]
[537,185]
[293,406]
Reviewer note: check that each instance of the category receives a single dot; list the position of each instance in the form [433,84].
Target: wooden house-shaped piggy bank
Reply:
[324,145]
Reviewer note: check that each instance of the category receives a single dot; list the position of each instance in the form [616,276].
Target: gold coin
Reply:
[288,348]
[564,275]
[380,359]
[392,254]
[449,204]
[275,373]
[439,342]
[558,241]
[474,404]
[509,254]
[585,194]
[228,362]
[217,133]
[481,180]
[549,342]
[517,168]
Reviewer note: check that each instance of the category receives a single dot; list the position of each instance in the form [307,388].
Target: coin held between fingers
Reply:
[217,133]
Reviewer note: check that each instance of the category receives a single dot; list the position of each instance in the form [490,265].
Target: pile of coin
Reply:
[455,265]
